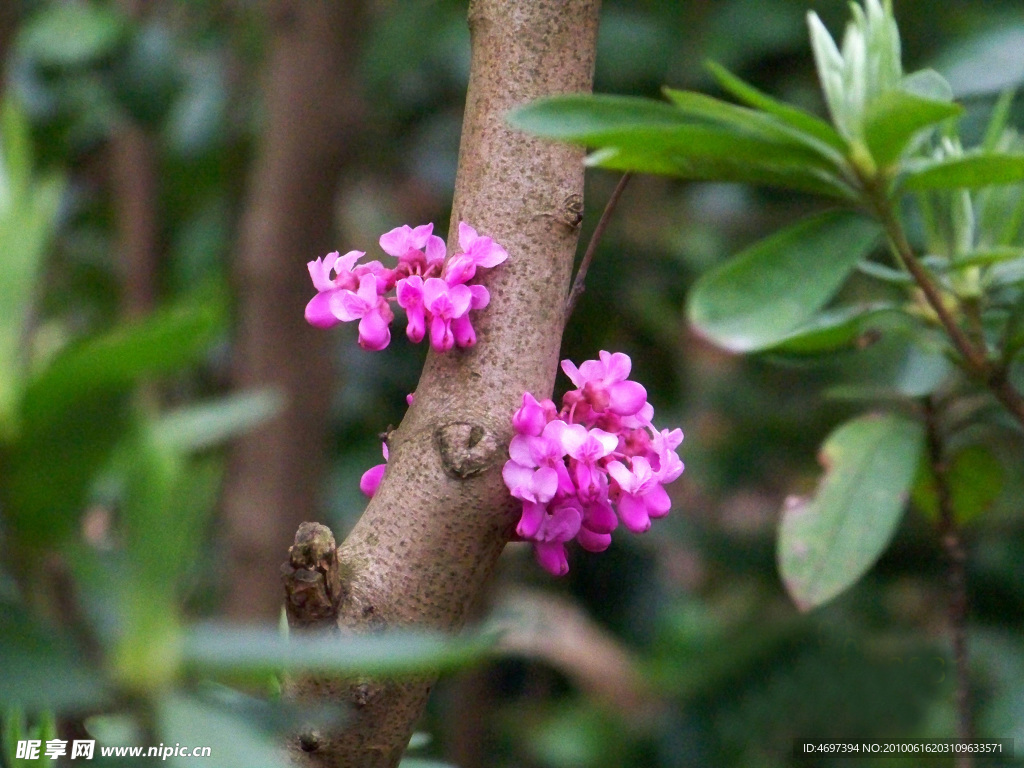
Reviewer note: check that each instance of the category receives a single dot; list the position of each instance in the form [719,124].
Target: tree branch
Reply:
[990,374]
[431,536]
[957,578]
[578,284]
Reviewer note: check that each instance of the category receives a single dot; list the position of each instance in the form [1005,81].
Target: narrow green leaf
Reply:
[26,227]
[981,257]
[928,84]
[975,479]
[796,118]
[702,154]
[651,137]
[166,503]
[840,328]
[896,117]
[199,426]
[827,543]
[16,151]
[884,273]
[971,171]
[761,296]
[754,122]
[41,669]
[222,649]
[593,119]
[165,341]
[234,741]
[49,468]
[998,120]
[71,34]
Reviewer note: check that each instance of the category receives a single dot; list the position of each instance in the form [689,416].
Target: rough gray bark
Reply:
[312,114]
[429,539]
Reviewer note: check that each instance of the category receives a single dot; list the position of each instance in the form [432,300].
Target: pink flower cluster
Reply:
[429,290]
[570,466]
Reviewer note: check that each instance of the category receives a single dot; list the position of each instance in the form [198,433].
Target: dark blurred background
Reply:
[213,147]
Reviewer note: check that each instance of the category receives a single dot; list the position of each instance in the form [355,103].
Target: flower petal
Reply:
[371,478]
[626,398]
[657,501]
[633,512]
[462,331]
[531,519]
[570,370]
[517,478]
[318,311]
[593,541]
[551,557]
[374,333]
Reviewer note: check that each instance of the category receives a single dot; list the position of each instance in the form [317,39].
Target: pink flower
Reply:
[409,292]
[604,385]
[370,481]
[444,303]
[532,416]
[559,525]
[587,447]
[370,308]
[663,445]
[642,495]
[462,328]
[601,449]
[318,311]
[416,249]
[476,252]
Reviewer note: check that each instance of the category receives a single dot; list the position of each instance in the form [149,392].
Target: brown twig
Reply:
[957,581]
[976,360]
[588,256]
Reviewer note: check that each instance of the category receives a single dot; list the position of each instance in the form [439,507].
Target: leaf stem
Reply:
[588,256]
[975,358]
[957,580]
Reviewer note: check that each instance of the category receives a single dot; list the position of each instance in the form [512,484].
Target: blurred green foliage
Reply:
[106,498]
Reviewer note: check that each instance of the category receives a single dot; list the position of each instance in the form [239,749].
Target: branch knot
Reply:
[466,449]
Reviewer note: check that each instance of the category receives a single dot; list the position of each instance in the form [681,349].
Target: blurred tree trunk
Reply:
[8,28]
[312,112]
[428,541]
[134,173]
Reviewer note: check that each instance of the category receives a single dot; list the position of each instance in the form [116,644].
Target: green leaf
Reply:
[975,480]
[199,426]
[903,364]
[221,649]
[997,122]
[167,501]
[928,84]
[895,118]
[165,341]
[701,107]
[796,118]
[651,137]
[995,254]
[48,470]
[970,171]
[884,273]
[827,543]
[70,34]
[16,151]
[761,296]
[26,227]
[233,740]
[40,668]
[843,327]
